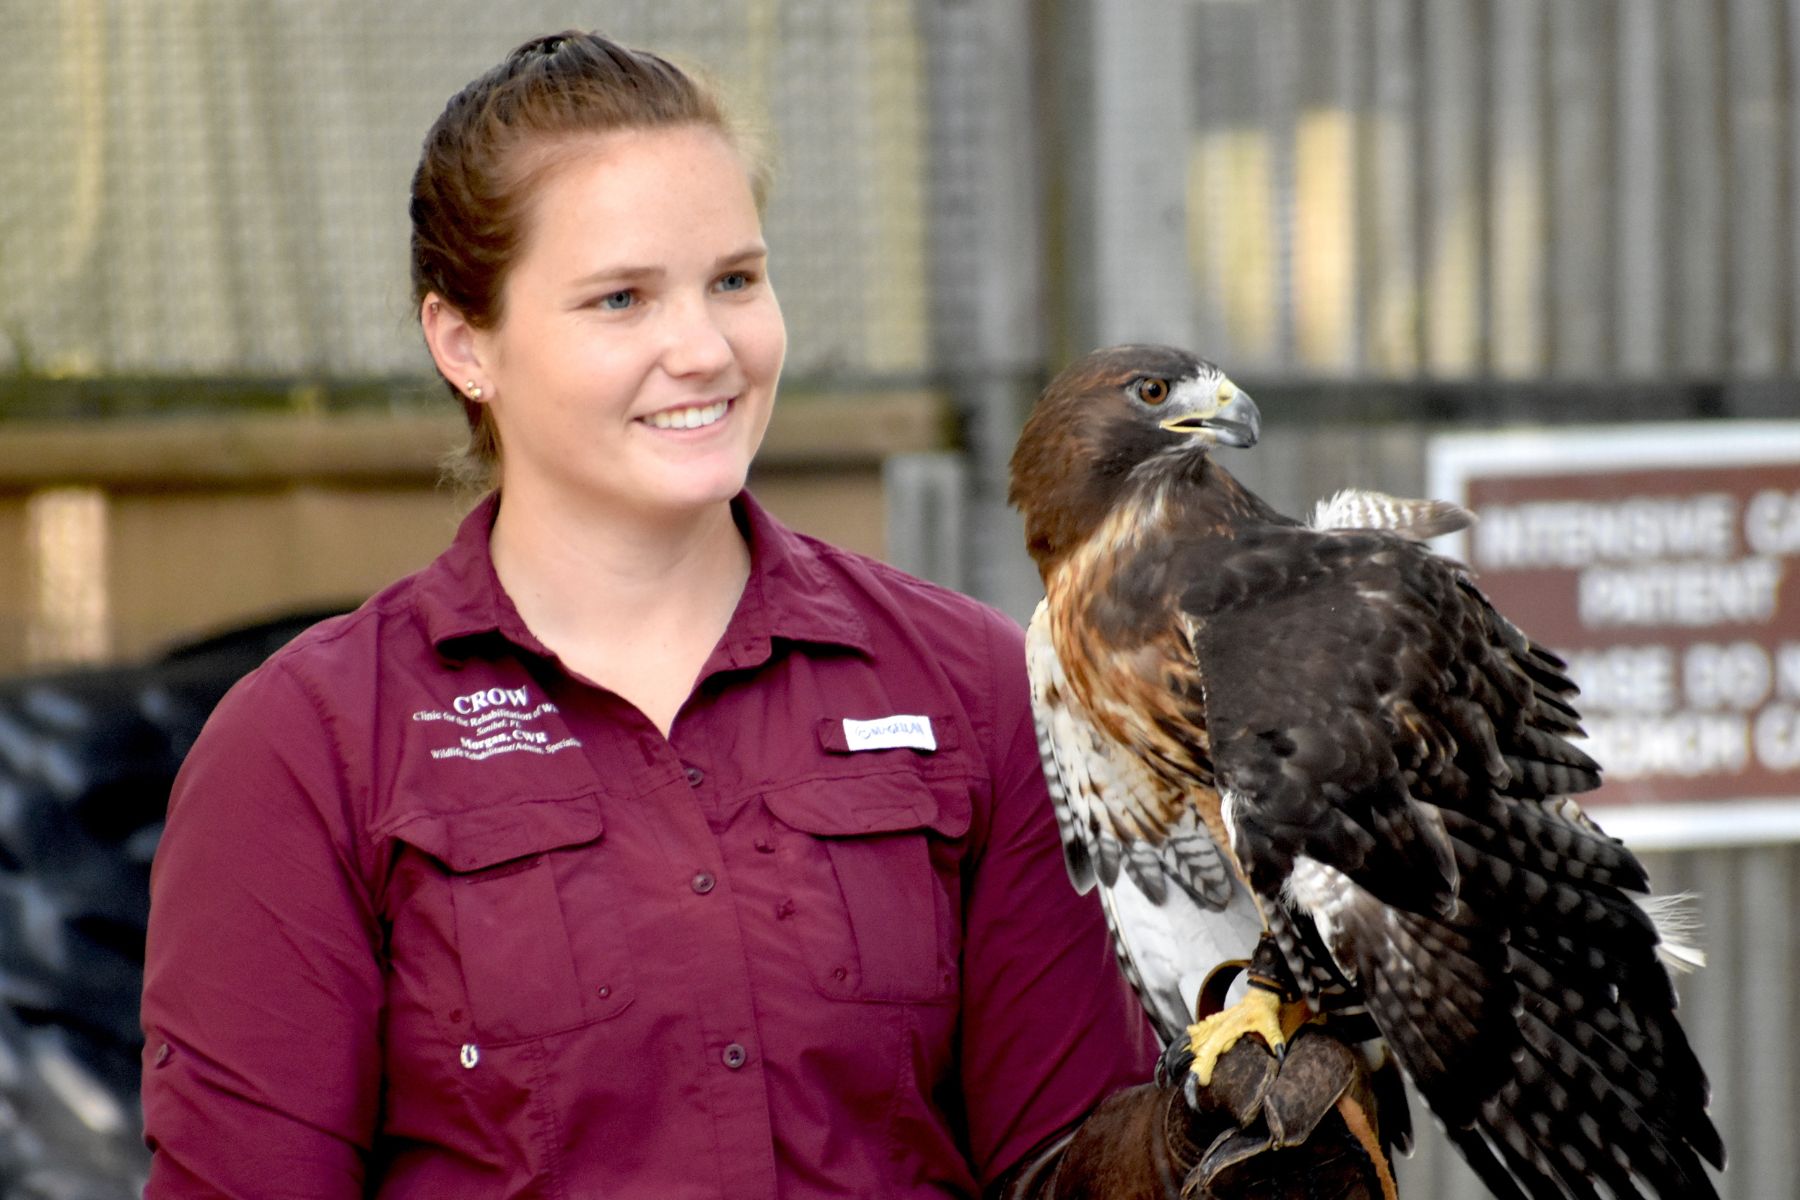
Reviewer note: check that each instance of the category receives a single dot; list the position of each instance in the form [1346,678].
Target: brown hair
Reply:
[496,138]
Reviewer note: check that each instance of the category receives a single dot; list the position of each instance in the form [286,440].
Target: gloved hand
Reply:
[1300,1127]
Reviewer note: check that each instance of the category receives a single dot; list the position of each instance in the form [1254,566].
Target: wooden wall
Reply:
[120,536]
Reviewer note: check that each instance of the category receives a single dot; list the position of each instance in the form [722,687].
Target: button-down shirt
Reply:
[434,917]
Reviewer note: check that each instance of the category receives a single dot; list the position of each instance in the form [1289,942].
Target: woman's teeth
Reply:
[688,418]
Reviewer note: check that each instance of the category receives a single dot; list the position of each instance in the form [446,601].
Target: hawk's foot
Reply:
[1259,1013]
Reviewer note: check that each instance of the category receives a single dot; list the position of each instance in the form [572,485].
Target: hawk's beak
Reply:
[1228,417]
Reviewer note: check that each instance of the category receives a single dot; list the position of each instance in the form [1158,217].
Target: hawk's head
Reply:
[1102,418]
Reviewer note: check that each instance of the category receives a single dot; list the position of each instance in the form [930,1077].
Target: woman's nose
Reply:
[697,344]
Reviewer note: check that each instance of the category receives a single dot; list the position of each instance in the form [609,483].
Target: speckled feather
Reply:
[1400,772]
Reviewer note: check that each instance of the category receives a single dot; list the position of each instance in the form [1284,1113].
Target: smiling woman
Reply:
[569,865]
[635,362]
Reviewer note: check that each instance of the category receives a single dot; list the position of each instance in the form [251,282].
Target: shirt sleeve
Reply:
[1049,1025]
[262,986]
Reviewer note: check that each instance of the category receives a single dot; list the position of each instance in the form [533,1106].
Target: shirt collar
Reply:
[790,594]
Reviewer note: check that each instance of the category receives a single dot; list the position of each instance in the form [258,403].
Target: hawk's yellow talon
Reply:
[1259,1012]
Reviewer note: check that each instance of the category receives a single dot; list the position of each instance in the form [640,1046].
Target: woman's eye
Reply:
[734,281]
[617,301]
[1151,391]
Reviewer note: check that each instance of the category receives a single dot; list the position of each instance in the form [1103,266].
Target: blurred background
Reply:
[1531,253]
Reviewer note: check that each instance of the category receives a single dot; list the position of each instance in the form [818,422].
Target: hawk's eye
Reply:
[1150,391]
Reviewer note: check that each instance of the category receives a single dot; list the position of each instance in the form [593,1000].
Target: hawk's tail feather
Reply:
[1543,1072]
[1193,861]
[1591,1116]
[1519,830]
[1388,1082]
[1145,867]
[1187,857]
[1489,1161]
[1557,1105]
[1548,1167]
[1598,933]
[1634,1057]
[1677,929]
[1562,1148]
[1435,994]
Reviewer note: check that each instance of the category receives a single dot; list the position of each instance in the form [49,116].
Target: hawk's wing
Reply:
[1174,905]
[1394,759]
[1112,813]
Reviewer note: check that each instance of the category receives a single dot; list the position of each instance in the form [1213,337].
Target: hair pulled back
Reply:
[497,137]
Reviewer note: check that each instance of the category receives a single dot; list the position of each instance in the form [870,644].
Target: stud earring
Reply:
[474,390]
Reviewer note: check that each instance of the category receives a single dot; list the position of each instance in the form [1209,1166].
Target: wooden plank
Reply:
[15,577]
[186,563]
[1756,218]
[1640,267]
[1696,180]
[1232,229]
[822,429]
[1452,219]
[1141,111]
[1278,81]
[1517,293]
[845,508]
[1390,250]
[189,563]
[896,291]
[1762,1148]
[276,449]
[1326,336]
[1790,245]
[1351,22]
[1579,234]
[1712,999]
[1217,125]
[237,450]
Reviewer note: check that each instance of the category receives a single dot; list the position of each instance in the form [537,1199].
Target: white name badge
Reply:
[887,733]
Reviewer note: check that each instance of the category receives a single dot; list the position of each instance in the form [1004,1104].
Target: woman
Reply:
[638,845]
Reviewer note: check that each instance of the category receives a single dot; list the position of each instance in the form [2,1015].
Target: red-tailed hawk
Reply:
[1327,737]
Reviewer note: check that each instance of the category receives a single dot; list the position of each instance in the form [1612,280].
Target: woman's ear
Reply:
[455,346]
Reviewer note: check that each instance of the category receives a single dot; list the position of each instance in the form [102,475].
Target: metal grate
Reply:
[1454,189]
[204,187]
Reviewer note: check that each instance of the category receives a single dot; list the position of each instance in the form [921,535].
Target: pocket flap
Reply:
[478,838]
[864,804]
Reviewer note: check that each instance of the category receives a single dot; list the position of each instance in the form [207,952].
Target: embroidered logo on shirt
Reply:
[497,721]
[887,733]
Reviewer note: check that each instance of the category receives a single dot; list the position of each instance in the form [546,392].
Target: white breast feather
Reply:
[1167,939]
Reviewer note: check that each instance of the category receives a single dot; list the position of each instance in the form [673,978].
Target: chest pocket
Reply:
[874,863]
[509,873]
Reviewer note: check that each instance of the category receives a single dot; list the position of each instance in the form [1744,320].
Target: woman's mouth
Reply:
[689,418]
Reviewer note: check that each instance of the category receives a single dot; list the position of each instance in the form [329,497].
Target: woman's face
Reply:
[636,360]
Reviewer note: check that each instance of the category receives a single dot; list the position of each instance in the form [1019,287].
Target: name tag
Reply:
[887,733]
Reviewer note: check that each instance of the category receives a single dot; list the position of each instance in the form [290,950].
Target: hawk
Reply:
[1324,741]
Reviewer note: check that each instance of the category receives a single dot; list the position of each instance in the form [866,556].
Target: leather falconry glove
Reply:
[1263,1131]
[1298,1128]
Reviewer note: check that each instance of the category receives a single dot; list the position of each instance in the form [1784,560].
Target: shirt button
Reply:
[695,775]
[734,1056]
[703,883]
[605,991]
[162,1054]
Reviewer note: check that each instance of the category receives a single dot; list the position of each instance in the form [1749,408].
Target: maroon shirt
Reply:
[433,917]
